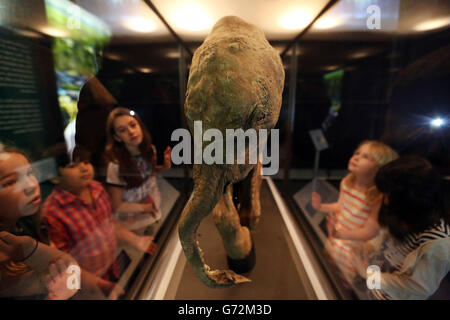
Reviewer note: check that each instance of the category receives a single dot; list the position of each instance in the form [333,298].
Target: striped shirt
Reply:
[354,210]
[392,259]
[84,230]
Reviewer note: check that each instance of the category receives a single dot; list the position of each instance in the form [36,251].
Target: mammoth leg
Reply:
[209,183]
[236,238]
[247,198]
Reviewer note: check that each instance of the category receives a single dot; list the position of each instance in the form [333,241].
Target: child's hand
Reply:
[116,292]
[15,248]
[110,289]
[146,244]
[167,158]
[316,201]
[150,208]
[148,205]
[56,281]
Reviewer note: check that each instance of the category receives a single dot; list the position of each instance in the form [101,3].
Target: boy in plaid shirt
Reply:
[79,215]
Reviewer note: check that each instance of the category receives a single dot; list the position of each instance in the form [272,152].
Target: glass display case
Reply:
[354,71]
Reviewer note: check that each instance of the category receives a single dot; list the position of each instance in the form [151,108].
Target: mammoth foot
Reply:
[224,278]
[243,265]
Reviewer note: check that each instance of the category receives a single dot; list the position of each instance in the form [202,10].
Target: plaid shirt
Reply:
[85,231]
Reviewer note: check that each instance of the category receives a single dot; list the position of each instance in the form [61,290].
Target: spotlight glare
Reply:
[327,23]
[437,122]
[432,24]
[295,20]
[192,17]
[140,25]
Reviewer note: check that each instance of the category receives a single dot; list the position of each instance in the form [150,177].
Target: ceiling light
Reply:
[53,32]
[360,54]
[145,70]
[331,68]
[173,54]
[326,23]
[28,33]
[298,52]
[432,24]
[192,17]
[297,19]
[140,25]
[113,56]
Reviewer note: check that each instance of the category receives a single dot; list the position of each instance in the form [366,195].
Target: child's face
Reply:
[361,163]
[128,131]
[76,175]
[20,194]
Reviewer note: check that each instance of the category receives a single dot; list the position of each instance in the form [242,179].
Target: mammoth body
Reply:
[236,81]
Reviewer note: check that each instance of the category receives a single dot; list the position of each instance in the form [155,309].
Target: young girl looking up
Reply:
[132,168]
[28,268]
[355,215]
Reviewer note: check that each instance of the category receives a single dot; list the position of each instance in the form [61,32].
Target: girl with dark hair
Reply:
[413,254]
[132,168]
[29,269]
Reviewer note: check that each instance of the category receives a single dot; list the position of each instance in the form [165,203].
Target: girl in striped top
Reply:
[354,217]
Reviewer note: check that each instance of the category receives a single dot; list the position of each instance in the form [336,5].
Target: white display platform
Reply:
[169,196]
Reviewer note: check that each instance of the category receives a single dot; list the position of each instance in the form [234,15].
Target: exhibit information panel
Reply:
[29,113]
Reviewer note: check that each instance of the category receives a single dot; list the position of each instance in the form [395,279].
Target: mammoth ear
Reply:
[117,138]
[258,117]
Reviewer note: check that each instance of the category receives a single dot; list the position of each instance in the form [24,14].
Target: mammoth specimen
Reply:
[236,81]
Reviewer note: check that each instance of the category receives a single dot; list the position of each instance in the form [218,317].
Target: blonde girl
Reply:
[355,215]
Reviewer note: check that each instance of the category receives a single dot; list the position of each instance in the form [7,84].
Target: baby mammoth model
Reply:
[236,81]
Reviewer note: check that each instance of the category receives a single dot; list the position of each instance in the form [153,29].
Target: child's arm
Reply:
[326,207]
[142,243]
[121,206]
[115,187]
[34,254]
[420,275]
[91,284]
[49,266]
[367,232]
